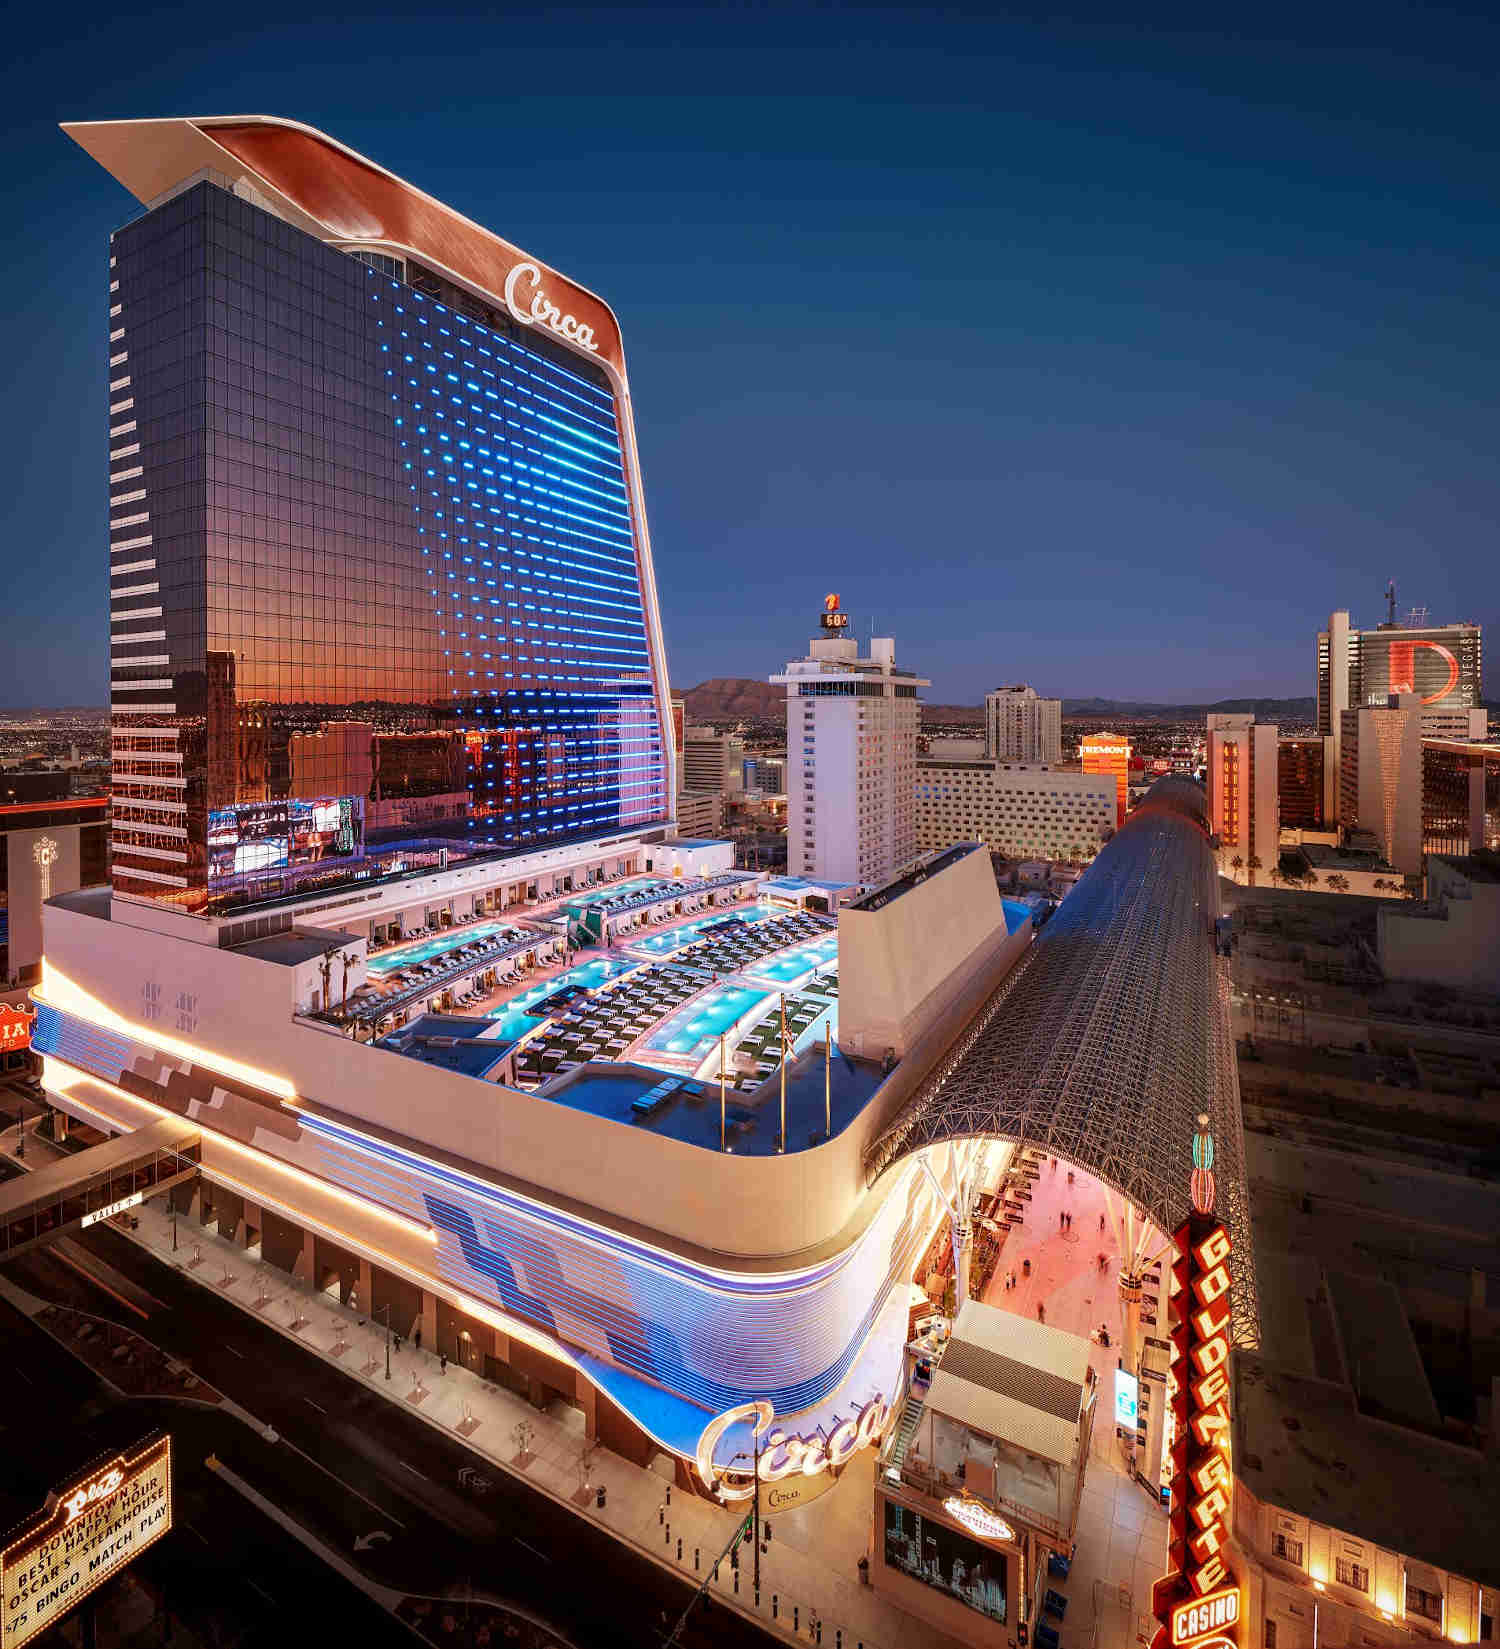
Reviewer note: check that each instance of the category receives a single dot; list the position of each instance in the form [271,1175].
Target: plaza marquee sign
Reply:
[15,1029]
[89,1529]
[782,1456]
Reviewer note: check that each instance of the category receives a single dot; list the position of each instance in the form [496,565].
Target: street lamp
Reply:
[754,1458]
[386,1308]
[21,1132]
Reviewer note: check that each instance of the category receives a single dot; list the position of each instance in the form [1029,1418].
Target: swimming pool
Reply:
[663,944]
[588,975]
[448,939]
[1015,913]
[614,890]
[693,1030]
[802,959]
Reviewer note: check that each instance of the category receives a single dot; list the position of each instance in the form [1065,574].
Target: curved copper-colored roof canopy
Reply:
[341,197]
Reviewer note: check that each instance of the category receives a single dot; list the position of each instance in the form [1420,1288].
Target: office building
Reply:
[851,734]
[1380,778]
[1020,727]
[1109,753]
[700,812]
[1243,772]
[765,773]
[1460,796]
[1442,664]
[1302,772]
[1022,812]
[440,530]
[712,762]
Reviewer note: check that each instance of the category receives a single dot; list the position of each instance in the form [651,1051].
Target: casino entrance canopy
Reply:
[1111,1036]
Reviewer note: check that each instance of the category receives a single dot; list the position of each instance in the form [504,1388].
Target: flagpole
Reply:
[783,1071]
[721,1090]
[828,1079]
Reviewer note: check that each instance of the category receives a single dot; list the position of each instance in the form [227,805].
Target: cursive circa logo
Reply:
[541,311]
[100,1489]
[782,1456]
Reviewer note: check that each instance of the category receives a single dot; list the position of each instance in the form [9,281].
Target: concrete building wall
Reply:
[902,963]
[1454,939]
[1380,778]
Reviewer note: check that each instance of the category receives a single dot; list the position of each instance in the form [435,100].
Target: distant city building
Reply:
[851,729]
[1109,753]
[1021,811]
[1443,665]
[1020,727]
[712,762]
[1380,778]
[765,773]
[700,812]
[1302,766]
[1460,796]
[47,847]
[1242,783]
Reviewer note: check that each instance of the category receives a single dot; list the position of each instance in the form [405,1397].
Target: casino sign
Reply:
[87,1531]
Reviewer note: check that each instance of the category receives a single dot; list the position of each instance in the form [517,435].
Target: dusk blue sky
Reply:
[1105,356]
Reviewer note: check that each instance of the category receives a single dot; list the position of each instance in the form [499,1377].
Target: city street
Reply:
[352,1467]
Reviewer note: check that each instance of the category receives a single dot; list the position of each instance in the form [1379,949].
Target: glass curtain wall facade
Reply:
[344,513]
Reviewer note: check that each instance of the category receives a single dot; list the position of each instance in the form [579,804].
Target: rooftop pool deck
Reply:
[1016,912]
[689,933]
[694,1029]
[590,975]
[613,890]
[786,966]
[392,961]
[690,1112]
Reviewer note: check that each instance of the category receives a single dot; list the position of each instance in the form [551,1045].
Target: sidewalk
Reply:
[809,1571]
[1122,1533]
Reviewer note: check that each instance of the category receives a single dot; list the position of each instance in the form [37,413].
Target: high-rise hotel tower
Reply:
[381,592]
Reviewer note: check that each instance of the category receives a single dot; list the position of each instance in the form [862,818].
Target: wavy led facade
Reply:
[381,584]
[713,1337]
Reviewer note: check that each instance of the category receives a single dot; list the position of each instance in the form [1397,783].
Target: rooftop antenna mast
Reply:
[1390,602]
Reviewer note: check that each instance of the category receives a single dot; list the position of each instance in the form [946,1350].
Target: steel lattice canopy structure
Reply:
[1111,1036]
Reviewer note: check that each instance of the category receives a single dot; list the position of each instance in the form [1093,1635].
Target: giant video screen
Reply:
[946,1560]
[1442,667]
[265,836]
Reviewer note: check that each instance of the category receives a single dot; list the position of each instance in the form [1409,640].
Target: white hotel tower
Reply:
[851,752]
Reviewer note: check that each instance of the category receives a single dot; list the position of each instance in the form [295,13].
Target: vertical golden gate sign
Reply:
[1199,1597]
[88,1531]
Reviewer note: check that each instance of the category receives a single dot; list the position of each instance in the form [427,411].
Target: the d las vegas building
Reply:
[388,710]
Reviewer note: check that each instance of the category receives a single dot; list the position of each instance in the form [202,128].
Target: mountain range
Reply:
[738,698]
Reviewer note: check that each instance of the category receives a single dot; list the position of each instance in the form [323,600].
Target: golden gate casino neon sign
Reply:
[1198,1597]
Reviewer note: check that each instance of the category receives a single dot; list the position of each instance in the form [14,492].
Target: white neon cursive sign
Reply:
[783,1456]
[100,1489]
[541,311]
[978,1519]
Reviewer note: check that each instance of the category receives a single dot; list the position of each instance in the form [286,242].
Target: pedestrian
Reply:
[1026,1268]
[398,1342]
[1062,1219]
[1041,1312]
[1101,1222]
[1070,1176]
[442,1362]
[416,1337]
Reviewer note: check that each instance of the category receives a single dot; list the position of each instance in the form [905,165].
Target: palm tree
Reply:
[1309,878]
[1252,864]
[1338,883]
[1237,864]
[1277,875]
[348,958]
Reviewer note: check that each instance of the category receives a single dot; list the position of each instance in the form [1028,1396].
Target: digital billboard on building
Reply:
[1442,665]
